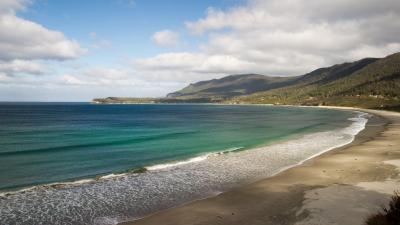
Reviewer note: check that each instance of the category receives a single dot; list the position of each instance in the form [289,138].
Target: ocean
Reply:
[74,163]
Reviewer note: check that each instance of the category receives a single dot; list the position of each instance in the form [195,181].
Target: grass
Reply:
[389,215]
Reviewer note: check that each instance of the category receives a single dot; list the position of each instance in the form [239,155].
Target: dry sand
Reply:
[342,186]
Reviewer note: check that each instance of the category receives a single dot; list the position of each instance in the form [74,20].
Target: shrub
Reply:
[389,215]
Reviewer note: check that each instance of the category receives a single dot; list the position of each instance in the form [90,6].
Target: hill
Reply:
[367,83]
[230,86]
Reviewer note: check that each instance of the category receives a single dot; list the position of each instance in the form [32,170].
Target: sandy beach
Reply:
[342,186]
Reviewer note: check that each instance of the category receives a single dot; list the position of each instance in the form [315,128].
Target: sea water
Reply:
[72,163]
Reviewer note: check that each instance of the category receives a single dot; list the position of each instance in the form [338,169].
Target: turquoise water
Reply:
[46,143]
[65,164]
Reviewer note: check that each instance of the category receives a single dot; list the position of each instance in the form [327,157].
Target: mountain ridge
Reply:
[368,83]
[230,86]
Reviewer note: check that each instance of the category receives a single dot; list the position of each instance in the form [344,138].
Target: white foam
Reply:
[191,160]
[48,186]
[179,163]
[230,150]
[356,127]
[106,221]
[358,124]
[112,175]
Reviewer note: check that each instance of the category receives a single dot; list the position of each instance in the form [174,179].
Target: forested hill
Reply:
[230,86]
[368,83]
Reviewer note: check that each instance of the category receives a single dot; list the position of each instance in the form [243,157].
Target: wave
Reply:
[77,147]
[358,124]
[355,128]
[192,160]
[55,185]
[65,184]
[112,175]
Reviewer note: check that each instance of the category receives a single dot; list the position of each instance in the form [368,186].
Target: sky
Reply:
[71,50]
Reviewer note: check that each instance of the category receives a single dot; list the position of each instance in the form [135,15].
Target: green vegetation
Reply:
[367,83]
[388,216]
[137,170]
[230,86]
[122,100]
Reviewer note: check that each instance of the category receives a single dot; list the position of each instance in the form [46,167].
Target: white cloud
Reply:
[10,6]
[83,84]
[192,62]
[285,37]
[106,77]
[166,38]
[16,67]
[22,42]
[23,39]
[71,80]
[4,78]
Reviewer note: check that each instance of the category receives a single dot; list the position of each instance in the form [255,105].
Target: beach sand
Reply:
[342,186]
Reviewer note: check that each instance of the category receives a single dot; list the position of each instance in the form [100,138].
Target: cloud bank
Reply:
[286,37]
[23,43]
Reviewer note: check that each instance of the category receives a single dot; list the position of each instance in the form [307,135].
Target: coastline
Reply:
[181,185]
[286,199]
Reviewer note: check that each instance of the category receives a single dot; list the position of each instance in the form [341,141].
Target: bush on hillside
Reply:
[388,215]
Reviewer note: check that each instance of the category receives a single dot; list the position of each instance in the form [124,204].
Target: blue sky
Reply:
[127,24]
[55,50]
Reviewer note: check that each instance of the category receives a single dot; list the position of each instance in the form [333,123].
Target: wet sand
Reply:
[342,186]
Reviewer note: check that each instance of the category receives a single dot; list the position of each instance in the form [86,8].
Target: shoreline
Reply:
[203,215]
[120,189]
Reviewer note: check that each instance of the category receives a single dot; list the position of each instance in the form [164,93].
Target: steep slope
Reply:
[367,83]
[230,86]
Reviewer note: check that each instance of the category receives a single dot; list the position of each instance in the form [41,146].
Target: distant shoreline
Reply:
[395,109]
